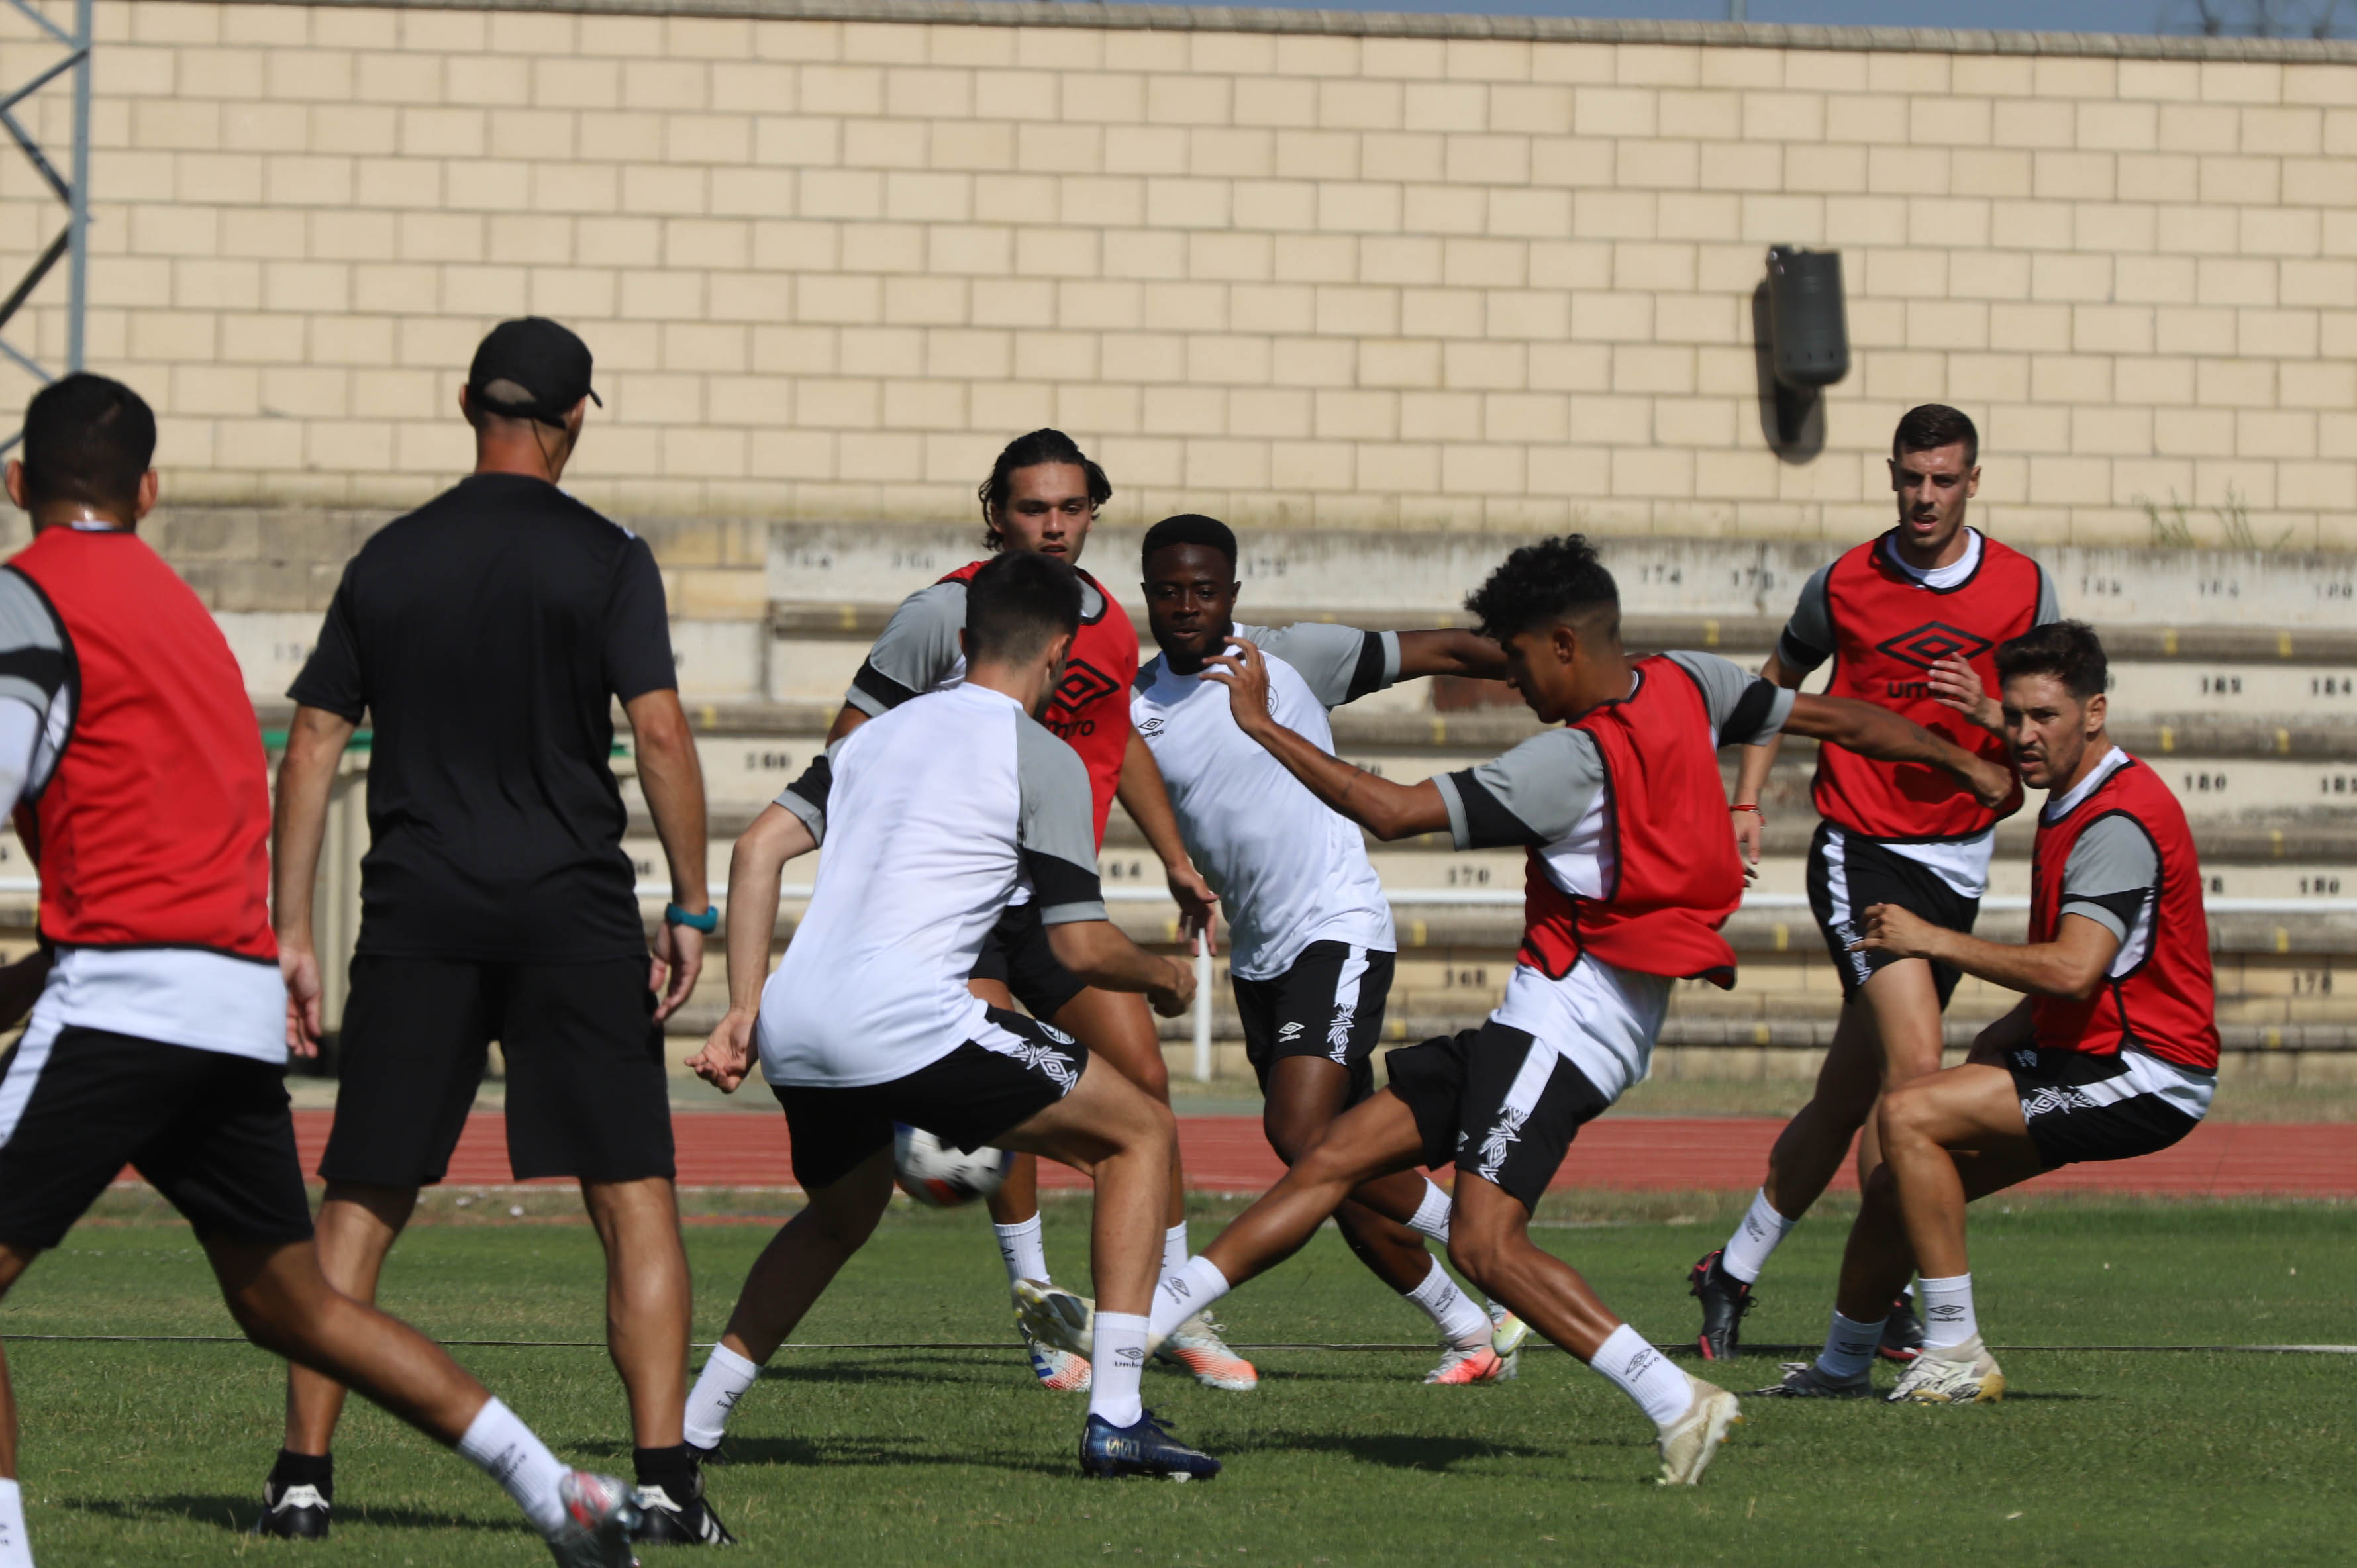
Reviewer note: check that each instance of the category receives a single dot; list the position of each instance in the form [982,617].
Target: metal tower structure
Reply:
[73,243]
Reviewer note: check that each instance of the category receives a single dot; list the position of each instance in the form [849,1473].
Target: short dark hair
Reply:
[2067,650]
[1190,528]
[1550,581]
[88,439]
[1041,446]
[1931,424]
[1018,604]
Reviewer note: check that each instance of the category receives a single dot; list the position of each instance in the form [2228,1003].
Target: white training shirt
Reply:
[1289,871]
[938,811]
[1553,795]
[177,996]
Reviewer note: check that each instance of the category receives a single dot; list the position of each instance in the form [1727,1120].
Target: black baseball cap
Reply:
[530,367]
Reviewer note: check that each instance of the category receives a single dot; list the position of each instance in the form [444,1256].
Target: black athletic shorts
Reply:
[1015,954]
[587,1095]
[212,1131]
[1329,1004]
[1849,875]
[966,1099]
[2080,1107]
[1496,1103]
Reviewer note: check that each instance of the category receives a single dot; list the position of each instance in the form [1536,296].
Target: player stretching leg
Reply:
[159,1014]
[1311,944]
[2113,1052]
[1910,620]
[938,811]
[1042,497]
[1624,898]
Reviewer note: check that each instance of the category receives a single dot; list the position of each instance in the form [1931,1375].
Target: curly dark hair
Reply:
[1542,583]
[2067,650]
[1028,452]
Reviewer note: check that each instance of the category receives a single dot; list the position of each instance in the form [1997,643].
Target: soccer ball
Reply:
[938,1176]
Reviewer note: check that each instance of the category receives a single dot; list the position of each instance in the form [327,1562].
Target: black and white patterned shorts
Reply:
[1016,1069]
[2080,1107]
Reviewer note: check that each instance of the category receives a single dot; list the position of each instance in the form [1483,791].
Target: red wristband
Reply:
[1753,810]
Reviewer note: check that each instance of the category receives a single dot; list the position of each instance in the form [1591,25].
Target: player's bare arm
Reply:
[672,780]
[1386,809]
[315,743]
[1099,954]
[1751,771]
[1143,795]
[2072,965]
[755,868]
[1882,735]
[1450,652]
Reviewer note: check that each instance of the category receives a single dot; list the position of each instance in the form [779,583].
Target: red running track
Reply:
[1227,1154]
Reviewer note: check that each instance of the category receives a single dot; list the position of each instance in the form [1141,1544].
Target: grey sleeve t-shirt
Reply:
[918,650]
[2111,875]
[1055,834]
[1340,664]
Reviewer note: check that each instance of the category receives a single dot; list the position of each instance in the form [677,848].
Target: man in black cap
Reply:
[485,636]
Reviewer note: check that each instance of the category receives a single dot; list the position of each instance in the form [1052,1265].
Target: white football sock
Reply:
[1464,1325]
[1948,1316]
[1117,1356]
[1181,1295]
[504,1447]
[1849,1347]
[1025,1254]
[1748,1248]
[1173,1249]
[1661,1389]
[718,1387]
[1498,1310]
[1432,1214]
[16,1551]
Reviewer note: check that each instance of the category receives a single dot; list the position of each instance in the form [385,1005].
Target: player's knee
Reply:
[1153,1075]
[1906,1114]
[1290,1135]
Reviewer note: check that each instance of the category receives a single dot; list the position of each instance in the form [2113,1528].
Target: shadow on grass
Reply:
[239,1513]
[1396,1451]
[857,1453]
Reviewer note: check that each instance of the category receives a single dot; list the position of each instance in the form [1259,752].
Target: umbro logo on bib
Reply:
[1932,642]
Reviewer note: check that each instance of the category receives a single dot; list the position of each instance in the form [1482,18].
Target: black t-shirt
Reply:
[485,634]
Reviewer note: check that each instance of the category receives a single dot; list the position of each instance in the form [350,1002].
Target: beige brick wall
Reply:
[828,265]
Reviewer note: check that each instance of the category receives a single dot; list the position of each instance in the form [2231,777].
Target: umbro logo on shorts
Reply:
[1932,642]
[1290,1033]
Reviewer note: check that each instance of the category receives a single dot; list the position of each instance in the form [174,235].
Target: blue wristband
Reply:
[707,922]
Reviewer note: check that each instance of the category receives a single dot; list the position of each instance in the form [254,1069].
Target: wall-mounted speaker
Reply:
[1806,316]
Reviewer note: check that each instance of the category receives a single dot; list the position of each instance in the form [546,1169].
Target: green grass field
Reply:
[145,1453]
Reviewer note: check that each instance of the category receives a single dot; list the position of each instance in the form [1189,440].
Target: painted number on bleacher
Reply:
[1658,573]
[2312,983]
[2221,685]
[1468,876]
[1259,567]
[2336,784]
[2100,587]
[2219,588]
[2320,886]
[290,652]
[1466,979]
[2331,686]
[1752,577]
[915,560]
[2337,588]
[1125,870]
[643,870]
[2217,884]
[769,761]
[2204,783]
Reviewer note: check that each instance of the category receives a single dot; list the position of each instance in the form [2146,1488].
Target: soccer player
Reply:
[938,810]
[1042,496]
[1910,620]
[1311,939]
[2112,1052]
[488,635]
[1624,898]
[129,754]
